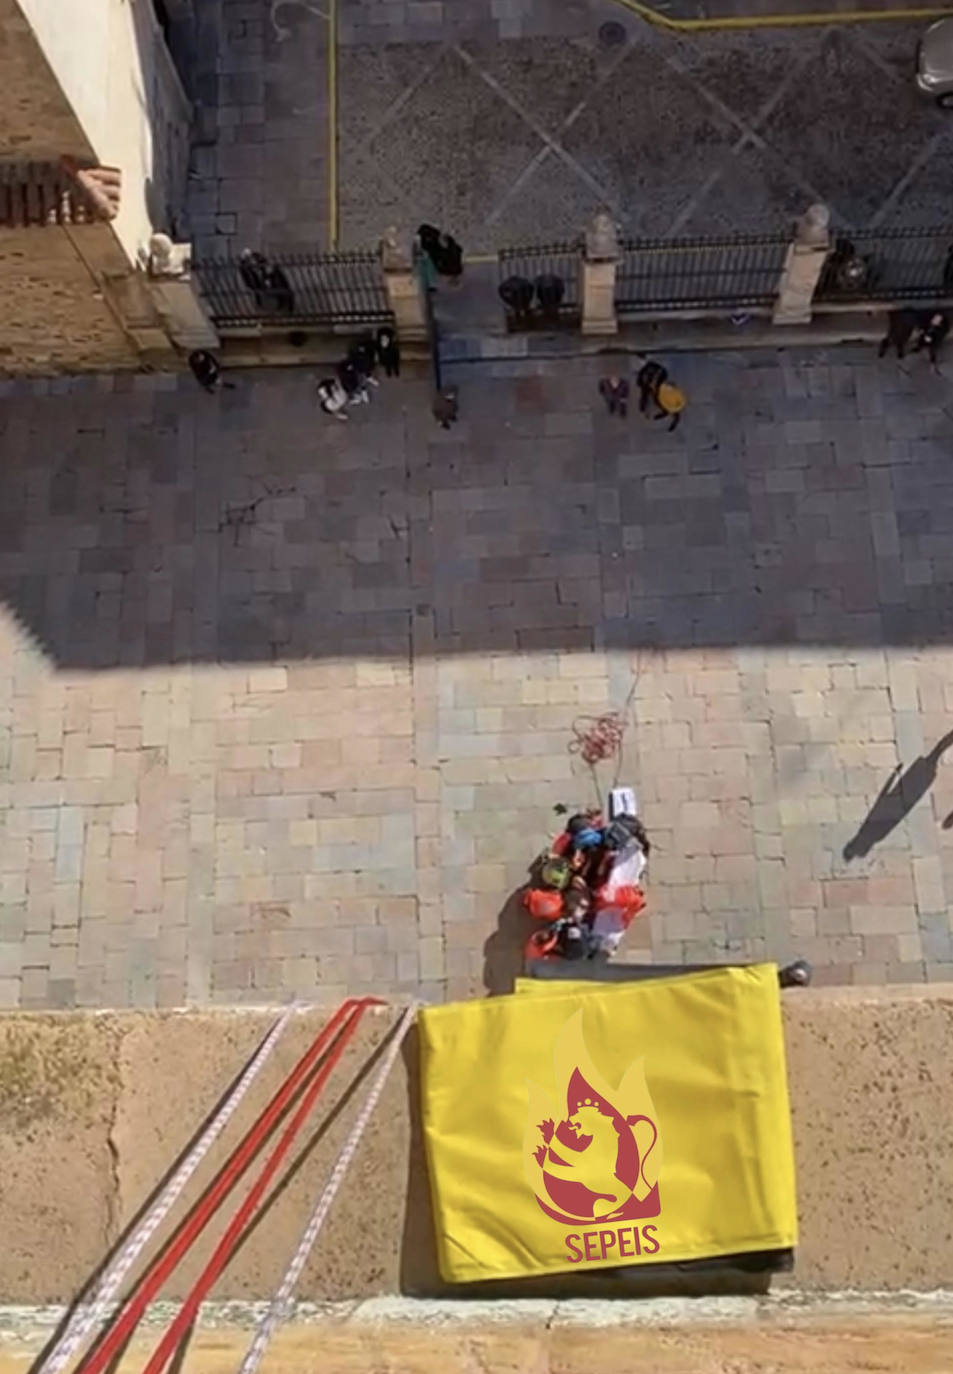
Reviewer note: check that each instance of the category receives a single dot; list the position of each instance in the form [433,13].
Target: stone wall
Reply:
[94,1109]
[119,81]
[97,85]
[55,314]
[36,120]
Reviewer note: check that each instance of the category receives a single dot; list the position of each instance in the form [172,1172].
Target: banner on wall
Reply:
[583,1126]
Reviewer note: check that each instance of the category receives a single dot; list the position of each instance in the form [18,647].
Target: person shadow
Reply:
[503,950]
[898,796]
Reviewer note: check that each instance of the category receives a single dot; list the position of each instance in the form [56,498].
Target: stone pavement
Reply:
[287,704]
[524,136]
[512,121]
[259,167]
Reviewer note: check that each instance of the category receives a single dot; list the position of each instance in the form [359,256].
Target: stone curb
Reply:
[23,1325]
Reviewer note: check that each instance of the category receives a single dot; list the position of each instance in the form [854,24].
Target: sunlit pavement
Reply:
[288,704]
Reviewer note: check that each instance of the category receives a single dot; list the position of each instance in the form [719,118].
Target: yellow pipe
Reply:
[333,123]
[765,21]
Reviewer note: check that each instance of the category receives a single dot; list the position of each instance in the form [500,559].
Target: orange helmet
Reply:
[540,944]
[543,904]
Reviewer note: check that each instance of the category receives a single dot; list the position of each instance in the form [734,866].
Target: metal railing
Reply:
[303,289]
[888,264]
[535,260]
[700,273]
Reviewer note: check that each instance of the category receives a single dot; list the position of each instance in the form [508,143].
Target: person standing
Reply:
[516,293]
[206,371]
[614,390]
[654,386]
[353,382]
[451,259]
[388,350]
[280,290]
[445,406]
[254,270]
[445,254]
[650,377]
[671,401]
[931,334]
[900,327]
[550,291]
[363,356]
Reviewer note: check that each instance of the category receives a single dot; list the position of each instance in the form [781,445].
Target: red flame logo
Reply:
[600,1161]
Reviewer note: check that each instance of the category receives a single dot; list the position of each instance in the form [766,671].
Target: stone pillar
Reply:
[597,276]
[803,265]
[405,292]
[176,296]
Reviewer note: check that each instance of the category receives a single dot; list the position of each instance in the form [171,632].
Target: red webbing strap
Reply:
[162,1266]
[229,1241]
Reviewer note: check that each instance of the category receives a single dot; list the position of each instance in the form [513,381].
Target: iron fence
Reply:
[295,289]
[888,264]
[533,263]
[699,273]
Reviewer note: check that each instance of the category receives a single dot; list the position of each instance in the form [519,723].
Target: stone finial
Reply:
[168,259]
[602,238]
[813,228]
[396,251]
[160,252]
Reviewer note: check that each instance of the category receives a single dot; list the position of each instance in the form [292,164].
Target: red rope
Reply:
[160,1269]
[229,1241]
[600,739]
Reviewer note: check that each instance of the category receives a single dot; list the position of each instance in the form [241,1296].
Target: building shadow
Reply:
[897,798]
[161,525]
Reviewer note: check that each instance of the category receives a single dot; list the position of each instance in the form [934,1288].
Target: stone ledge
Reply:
[83,1149]
[911,1334]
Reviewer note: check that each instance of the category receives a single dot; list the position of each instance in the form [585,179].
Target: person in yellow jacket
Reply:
[654,386]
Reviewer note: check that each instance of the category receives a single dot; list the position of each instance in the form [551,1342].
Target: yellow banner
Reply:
[603,1125]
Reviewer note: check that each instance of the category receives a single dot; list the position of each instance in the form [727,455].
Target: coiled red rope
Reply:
[596,738]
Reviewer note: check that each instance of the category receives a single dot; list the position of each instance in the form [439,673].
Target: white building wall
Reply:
[110,58]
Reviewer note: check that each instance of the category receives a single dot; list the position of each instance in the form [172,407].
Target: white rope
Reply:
[280,1303]
[89,1316]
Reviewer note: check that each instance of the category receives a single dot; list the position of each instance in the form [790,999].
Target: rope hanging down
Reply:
[238,1226]
[280,1303]
[88,1317]
[97,1360]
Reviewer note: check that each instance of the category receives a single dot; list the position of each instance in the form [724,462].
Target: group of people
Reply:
[530,301]
[354,374]
[917,329]
[267,282]
[654,389]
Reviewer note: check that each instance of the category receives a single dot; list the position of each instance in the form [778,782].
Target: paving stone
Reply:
[357,803]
